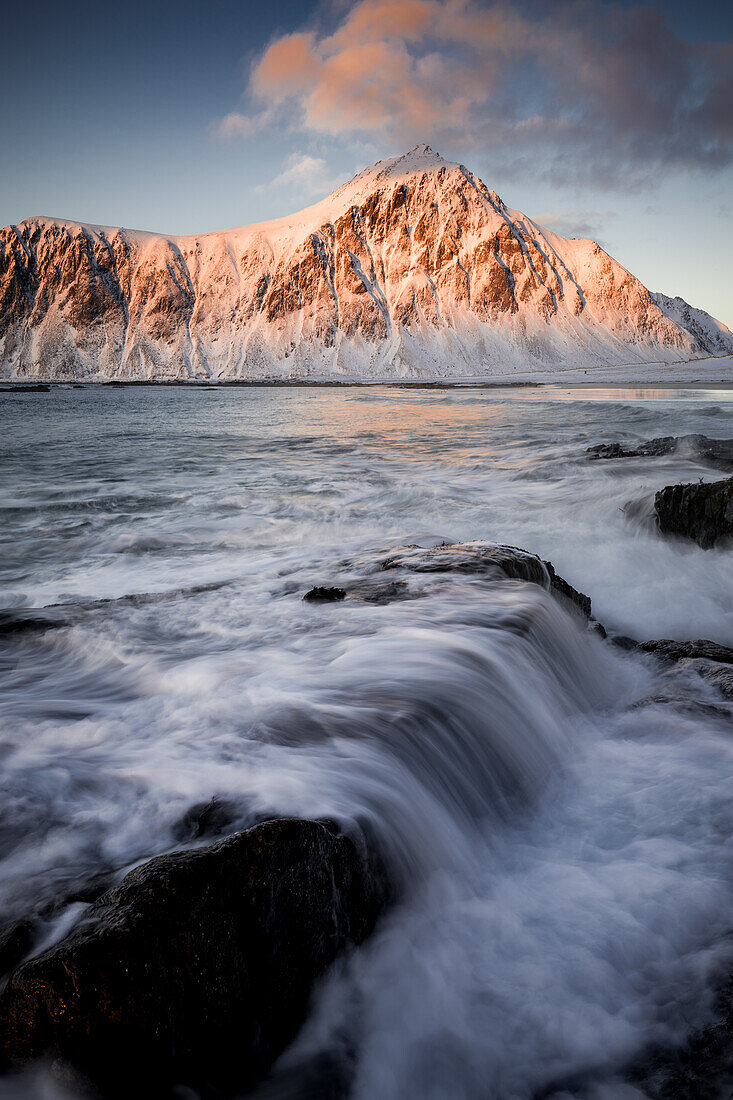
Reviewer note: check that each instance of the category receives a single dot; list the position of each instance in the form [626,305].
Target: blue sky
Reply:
[607,120]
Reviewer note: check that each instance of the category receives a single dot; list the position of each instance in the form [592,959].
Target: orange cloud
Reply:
[568,82]
[288,67]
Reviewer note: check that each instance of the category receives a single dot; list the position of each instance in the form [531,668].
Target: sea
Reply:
[556,808]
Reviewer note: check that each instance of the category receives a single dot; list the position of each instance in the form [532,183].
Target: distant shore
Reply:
[714,372]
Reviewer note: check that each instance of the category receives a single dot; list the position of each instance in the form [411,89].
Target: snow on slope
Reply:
[413,269]
[710,335]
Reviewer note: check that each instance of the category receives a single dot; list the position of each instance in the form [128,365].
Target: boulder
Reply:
[196,970]
[702,511]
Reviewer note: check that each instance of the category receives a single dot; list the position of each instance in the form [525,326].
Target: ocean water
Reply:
[557,811]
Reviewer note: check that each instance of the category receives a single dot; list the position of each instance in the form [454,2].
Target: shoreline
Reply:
[693,374]
[423,384]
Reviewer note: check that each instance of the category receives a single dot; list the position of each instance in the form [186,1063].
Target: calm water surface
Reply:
[557,810]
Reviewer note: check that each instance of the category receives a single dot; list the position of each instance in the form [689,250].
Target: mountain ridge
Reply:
[412,269]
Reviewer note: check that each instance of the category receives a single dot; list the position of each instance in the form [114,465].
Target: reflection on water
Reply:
[557,811]
[622,393]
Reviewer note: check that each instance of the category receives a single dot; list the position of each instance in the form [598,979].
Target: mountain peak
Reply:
[418,159]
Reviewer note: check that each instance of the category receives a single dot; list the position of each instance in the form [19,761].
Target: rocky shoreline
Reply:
[203,961]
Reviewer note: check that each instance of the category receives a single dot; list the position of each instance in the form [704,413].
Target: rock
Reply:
[325,595]
[197,969]
[702,511]
[487,558]
[623,641]
[702,1069]
[205,819]
[675,651]
[717,674]
[560,587]
[712,661]
[715,452]
[85,889]
[15,942]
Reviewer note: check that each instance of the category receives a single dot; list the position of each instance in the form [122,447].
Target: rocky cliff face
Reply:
[413,269]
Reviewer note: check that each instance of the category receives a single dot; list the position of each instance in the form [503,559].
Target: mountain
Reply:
[412,269]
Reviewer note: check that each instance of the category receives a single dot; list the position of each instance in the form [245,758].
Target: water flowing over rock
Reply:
[198,967]
[714,452]
[702,511]
[413,269]
[712,661]
[485,558]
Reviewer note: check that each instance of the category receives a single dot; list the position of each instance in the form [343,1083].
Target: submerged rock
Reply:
[715,452]
[701,511]
[197,969]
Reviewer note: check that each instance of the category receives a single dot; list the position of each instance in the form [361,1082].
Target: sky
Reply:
[608,120]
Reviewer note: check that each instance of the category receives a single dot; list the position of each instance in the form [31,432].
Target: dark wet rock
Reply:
[623,641]
[717,674]
[711,660]
[485,558]
[714,452]
[702,1069]
[672,650]
[205,819]
[197,968]
[15,942]
[594,627]
[371,591]
[472,558]
[702,511]
[560,587]
[324,595]
[86,888]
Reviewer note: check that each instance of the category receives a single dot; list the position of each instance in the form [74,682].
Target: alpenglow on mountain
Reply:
[413,269]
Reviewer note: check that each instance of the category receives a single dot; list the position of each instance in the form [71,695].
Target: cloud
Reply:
[576,223]
[236,125]
[306,175]
[570,87]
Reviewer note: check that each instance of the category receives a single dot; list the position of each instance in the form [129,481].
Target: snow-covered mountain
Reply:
[412,269]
